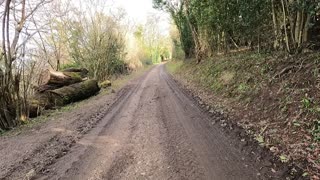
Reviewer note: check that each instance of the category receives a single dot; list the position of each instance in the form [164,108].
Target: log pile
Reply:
[60,88]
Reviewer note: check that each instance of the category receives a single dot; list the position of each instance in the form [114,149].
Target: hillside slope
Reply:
[274,98]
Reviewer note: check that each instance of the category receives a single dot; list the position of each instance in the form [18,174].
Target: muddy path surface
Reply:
[150,129]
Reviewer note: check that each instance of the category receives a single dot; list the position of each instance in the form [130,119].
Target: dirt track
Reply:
[150,129]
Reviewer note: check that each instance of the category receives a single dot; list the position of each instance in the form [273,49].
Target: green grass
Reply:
[232,76]
[173,66]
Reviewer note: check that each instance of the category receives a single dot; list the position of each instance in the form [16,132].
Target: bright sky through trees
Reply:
[139,10]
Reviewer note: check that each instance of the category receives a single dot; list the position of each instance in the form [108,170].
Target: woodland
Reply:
[216,26]
[51,44]
[262,56]
[259,60]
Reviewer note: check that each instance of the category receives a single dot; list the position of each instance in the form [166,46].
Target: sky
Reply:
[139,10]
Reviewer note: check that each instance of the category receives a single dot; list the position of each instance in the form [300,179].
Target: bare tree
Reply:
[15,16]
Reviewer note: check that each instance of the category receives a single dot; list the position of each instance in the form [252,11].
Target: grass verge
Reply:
[273,97]
[117,84]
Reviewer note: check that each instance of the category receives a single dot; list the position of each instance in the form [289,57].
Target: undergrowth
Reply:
[274,96]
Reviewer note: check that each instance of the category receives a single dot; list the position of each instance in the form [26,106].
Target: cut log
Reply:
[105,84]
[38,104]
[59,78]
[47,87]
[83,72]
[34,111]
[62,96]
[73,93]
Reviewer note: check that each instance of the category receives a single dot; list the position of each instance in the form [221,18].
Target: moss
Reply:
[105,84]
[74,92]
[232,76]
[76,76]
[173,66]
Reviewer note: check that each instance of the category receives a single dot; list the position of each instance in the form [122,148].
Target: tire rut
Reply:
[91,156]
[151,130]
[179,151]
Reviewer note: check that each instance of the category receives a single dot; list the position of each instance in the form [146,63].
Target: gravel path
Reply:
[150,129]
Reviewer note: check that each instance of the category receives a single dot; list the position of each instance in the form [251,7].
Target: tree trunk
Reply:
[298,28]
[82,71]
[59,78]
[306,29]
[74,92]
[219,43]
[292,17]
[47,87]
[195,36]
[62,96]
[285,26]
[275,26]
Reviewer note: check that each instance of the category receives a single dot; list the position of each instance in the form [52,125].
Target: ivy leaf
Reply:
[284,158]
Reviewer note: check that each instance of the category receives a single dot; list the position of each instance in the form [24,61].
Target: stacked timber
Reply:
[60,88]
